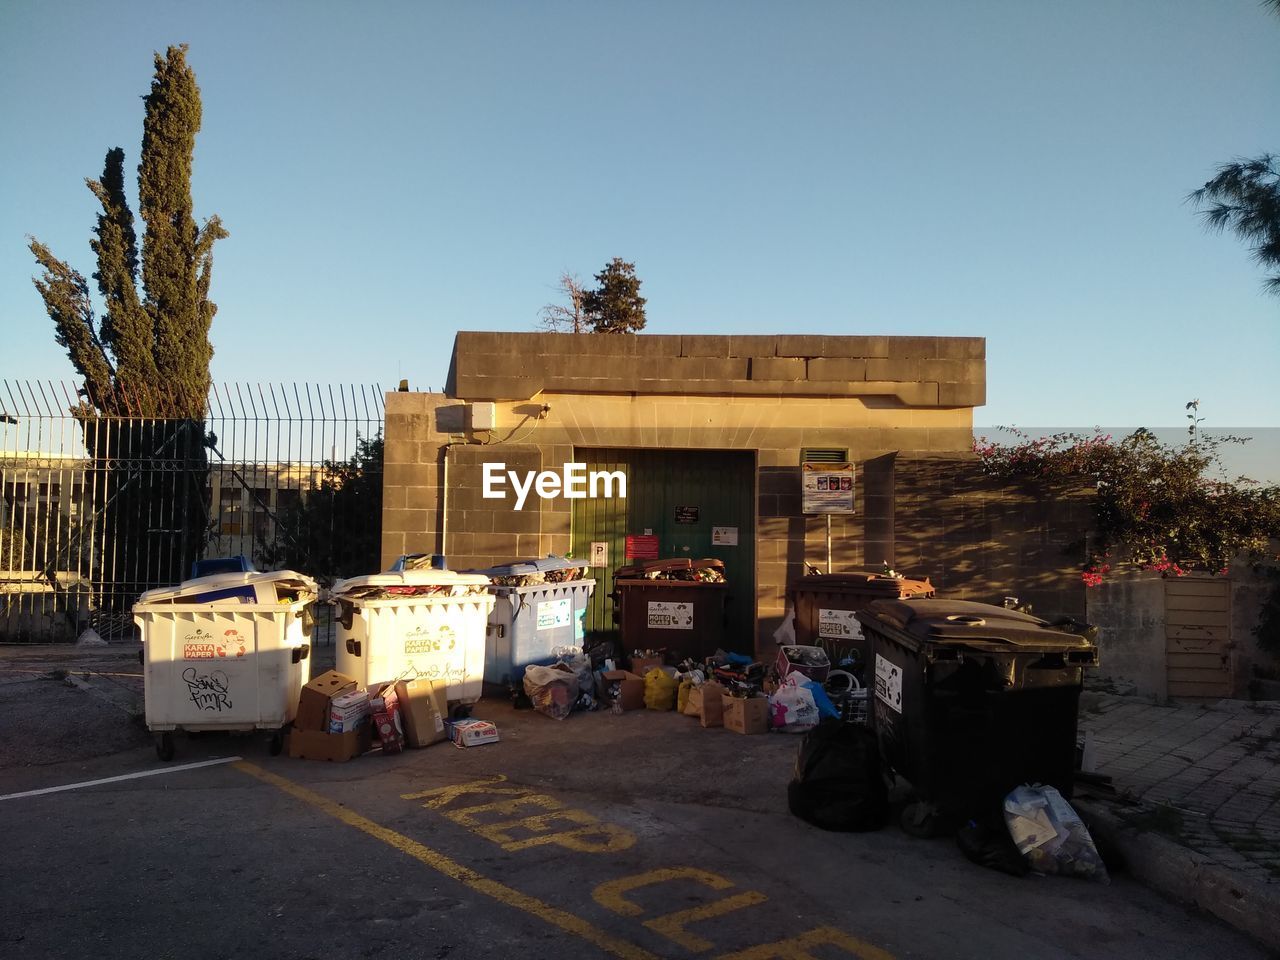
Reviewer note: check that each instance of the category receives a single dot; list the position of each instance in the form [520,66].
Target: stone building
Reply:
[710,433]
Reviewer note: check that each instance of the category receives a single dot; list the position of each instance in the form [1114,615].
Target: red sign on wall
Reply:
[642,547]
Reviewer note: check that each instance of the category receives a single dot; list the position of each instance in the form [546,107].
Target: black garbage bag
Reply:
[986,842]
[839,783]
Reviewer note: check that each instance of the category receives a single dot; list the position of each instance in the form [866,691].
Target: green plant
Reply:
[1164,508]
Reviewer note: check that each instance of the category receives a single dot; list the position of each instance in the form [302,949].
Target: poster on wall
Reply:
[724,536]
[644,547]
[827,487]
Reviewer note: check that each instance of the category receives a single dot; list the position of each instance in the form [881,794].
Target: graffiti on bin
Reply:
[455,672]
[208,691]
[421,640]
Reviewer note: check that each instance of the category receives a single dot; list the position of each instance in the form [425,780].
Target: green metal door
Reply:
[681,497]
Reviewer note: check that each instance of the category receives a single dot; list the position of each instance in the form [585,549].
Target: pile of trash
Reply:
[376,591]
[707,570]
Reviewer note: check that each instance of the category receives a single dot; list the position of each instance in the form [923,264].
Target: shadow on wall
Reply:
[978,538]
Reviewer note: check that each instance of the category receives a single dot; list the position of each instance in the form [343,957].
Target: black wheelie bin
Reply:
[970,700]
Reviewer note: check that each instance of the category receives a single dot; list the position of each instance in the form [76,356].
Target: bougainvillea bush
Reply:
[1160,507]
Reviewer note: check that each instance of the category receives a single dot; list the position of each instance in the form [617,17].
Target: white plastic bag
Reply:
[1050,834]
[792,708]
[785,635]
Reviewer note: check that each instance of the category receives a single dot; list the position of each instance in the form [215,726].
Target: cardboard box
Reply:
[337,747]
[746,716]
[388,728]
[631,693]
[706,701]
[642,665]
[313,700]
[424,709]
[472,732]
[810,661]
[348,710]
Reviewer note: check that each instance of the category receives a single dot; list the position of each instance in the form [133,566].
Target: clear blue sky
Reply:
[393,172]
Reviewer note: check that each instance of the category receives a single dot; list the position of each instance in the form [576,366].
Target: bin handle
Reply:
[301,652]
[965,619]
[353,647]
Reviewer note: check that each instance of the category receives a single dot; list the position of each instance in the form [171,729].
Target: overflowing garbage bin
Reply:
[417,623]
[538,611]
[825,605]
[969,700]
[228,652]
[676,604]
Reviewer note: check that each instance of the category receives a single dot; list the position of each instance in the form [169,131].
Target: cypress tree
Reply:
[149,355]
[145,363]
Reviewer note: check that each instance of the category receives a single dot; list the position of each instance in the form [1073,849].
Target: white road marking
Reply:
[124,776]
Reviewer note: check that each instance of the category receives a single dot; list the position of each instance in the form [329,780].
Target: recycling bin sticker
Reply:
[839,625]
[665,615]
[889,683]
[555,613]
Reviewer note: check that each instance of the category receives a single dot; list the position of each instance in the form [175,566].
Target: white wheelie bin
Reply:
[539,614]
[416,623]
[228,652]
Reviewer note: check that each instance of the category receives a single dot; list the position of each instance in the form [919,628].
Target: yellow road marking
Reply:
[454,870]
[672,926]
[590,835]
[797,948]
[610,893]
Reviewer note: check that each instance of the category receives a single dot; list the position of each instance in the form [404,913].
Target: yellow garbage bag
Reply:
[659,690]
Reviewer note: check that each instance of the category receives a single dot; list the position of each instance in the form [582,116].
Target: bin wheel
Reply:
[460,711]
[164,746]
[920,819]
[277,743]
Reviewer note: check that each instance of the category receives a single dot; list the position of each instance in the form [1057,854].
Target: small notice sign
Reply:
[664,615]
[827,487]
[889,683]
[599,553]
[555,613]
[724,536]
[643,547]
[839,625]
[686,514]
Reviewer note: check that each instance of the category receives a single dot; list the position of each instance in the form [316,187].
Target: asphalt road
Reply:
[634,836]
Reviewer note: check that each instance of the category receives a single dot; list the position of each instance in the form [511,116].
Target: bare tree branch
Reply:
[570,317]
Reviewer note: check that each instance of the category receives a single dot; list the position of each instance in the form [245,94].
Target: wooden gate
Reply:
[1198,637]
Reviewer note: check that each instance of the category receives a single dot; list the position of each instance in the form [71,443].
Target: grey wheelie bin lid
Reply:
[977,626]
[515,568]
[535,571]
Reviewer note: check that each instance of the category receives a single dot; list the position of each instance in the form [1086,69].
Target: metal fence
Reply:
[94,510]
